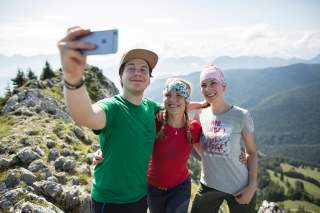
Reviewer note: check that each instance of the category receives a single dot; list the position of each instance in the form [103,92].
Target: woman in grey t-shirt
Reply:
[223,177]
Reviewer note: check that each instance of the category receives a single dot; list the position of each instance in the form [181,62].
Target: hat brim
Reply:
[150,57]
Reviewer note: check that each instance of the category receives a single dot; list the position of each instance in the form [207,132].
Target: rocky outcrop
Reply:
[44,157]
[32,101]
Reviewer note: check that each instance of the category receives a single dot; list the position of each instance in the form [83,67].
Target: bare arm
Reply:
[73,64]
[197,105]
[252,158]
[246,194]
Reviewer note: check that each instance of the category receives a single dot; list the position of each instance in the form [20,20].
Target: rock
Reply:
[58,163]
[51,144]
[32,99]
[74,180]
[27,207]
[7,163]
[4,164]
[53,154]
[79,133]
[69,165]
[3,149]
[26,156]
[38,150]
[66,152]
[53,179]
[271,207]
[71,199]
[86,203]
[5,204]
[95,146]
[40,166]
[48,189]
[8,199]
[25,141]
[12,180]
[62,164]
[81,136]
[62,178]
[28,177]
[2,187]
[17,200]
[23,111]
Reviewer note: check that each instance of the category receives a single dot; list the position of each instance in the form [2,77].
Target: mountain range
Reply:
[166,67]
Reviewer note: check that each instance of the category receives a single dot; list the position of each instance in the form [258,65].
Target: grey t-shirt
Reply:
[220,148]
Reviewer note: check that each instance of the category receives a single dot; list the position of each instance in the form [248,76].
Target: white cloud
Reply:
[308,38]
[256,32]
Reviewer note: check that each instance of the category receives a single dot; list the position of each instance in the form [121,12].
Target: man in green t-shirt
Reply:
[125,123]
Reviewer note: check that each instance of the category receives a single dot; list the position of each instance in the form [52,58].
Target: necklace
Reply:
[176,132]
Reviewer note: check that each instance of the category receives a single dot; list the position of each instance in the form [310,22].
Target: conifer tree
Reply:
[8,92]
[47,72]
[31,75]
[19,80]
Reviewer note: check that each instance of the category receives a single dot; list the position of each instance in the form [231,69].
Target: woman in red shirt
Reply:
[168,175]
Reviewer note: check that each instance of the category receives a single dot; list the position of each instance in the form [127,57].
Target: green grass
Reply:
[308,187]
[290,204]
[54,92]
[4,126]
[3,176]
[306,171]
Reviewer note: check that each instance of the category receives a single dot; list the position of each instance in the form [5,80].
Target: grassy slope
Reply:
[290,204]
[309,187]
[306,171]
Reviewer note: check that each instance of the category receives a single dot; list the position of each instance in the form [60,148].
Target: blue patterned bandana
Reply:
[178,87]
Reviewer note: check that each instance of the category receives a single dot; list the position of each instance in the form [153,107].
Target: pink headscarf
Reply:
[213,72]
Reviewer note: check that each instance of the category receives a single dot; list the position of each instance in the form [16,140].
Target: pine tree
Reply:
[20,79]
[47,72]
[8,92]
[31,75]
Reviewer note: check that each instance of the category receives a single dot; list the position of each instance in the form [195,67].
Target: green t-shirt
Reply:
[126,143]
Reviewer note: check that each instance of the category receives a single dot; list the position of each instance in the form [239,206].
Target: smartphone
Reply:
[106,42]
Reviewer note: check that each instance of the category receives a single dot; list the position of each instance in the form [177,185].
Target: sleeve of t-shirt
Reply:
[110,108]
[156,106]
[248,126]
[196,130]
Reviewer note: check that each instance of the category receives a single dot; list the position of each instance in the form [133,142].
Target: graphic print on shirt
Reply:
[216,138]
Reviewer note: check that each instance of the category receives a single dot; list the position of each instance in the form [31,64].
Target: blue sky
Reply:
[288,28]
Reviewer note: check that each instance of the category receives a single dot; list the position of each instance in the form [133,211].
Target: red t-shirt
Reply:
[168,165]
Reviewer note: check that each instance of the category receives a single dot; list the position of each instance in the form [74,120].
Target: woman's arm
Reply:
[245,195]
[197,105]
[252,159]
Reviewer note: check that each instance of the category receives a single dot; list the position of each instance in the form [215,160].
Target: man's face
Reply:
[136,76]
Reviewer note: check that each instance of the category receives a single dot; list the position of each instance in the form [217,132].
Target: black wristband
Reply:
[74,86]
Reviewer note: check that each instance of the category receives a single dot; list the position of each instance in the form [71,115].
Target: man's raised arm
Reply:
[81,109]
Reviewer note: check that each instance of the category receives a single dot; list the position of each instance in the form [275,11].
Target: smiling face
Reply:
[135,77]
[174,103]
[212,90]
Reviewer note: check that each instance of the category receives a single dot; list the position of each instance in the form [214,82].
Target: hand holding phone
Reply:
[106,42]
